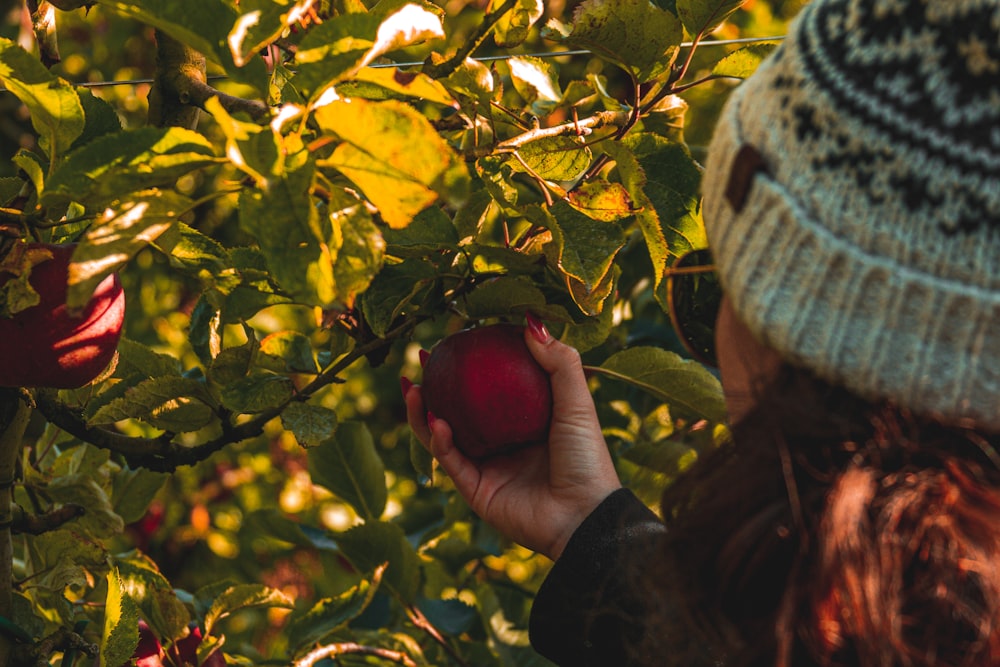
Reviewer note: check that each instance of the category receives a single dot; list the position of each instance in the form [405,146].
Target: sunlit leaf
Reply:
[601,200]
[349,465]
[56,112]
[744,62]
[111,166]
[121,625]
[514,26]
[115,237]
[537,81]
[393,154]
[142,582]
[561,158]
[173,404]
[341,46]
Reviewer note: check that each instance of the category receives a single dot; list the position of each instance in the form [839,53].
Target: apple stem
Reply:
[14,415]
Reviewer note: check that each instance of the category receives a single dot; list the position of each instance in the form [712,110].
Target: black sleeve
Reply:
[589,609]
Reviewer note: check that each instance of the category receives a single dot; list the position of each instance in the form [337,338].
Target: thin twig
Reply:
[344,648]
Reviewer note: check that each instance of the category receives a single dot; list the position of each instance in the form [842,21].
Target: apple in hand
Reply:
[485,383]
[48,346]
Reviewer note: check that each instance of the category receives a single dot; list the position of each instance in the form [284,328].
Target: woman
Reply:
[852,202]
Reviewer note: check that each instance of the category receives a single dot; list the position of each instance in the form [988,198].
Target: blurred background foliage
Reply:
[218,518]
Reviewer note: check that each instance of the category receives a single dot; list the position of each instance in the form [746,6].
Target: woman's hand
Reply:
[539,495]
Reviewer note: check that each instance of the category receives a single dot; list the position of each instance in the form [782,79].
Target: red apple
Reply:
[149,652]
[46,345]
[184,652]
[491,391]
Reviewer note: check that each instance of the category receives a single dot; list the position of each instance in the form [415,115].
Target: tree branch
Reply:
[36,524]
[583,126]
[344,648]
[180,87]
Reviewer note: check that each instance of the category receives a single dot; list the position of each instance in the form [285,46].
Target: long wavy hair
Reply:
[833,532]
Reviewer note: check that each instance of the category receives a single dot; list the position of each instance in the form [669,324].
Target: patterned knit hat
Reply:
[852,201]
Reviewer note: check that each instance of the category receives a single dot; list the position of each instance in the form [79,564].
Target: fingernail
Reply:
[424,354]
[405,384]
[536,328]
[430,419]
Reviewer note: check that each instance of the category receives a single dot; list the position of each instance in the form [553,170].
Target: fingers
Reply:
[572,401]
[464,474]
[416,413]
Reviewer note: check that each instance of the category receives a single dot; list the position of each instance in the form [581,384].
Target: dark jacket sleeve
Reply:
[589,609]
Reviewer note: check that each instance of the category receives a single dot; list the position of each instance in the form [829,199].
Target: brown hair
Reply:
[834,531]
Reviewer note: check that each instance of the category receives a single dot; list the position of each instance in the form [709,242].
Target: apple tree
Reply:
[296,197]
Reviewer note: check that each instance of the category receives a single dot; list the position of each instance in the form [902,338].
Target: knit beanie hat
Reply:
[852,201]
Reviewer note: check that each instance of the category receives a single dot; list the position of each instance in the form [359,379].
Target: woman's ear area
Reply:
[745,364]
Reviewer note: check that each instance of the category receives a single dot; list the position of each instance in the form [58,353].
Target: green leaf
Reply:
[133,491]
[393,154]
[357,248]
[683,384]
[505,295]
[290,351]
[142,582]
[341,46]
[635,34]
[244,596]
[664,185]
[744,62]
[397,81]
[330,614]
[582,249]
[369,545]
[139,359]
[537,81]
[111,166]
[258,392]
[430,231]
[514,26]
[701,17]
[349,466]
[99,518]
[601,200]
[260,23]
[310,424]
[204,26]
[56,112]
[174,404]
[561,158]
[125,228]
[100,118]
[392,290]
[64,557]
[254,149]
[121,625]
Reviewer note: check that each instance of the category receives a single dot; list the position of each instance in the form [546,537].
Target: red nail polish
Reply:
[424,354]
[536,328]
[430,419]
[405,384]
